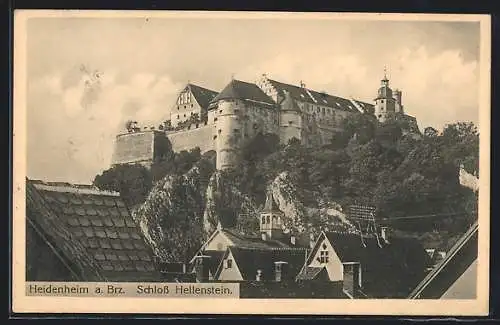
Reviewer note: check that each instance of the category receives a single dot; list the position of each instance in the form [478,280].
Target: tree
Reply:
[133,182]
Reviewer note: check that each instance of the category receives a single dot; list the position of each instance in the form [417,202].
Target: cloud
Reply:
[71,130]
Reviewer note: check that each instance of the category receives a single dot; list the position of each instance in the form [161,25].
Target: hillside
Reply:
[180,201]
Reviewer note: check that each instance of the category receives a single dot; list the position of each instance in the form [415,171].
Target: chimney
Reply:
[258,277]
[384,234]
[201,268]
[280,270]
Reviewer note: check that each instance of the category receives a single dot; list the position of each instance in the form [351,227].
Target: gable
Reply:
[219,242]
[324,255]
[228,269]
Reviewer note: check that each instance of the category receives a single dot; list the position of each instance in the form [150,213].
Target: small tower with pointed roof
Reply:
[271,219]
[385,104]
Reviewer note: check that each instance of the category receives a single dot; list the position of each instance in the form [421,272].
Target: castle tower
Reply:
[291,123]
[398,98]
[271,219]
[228,131]
[385,105]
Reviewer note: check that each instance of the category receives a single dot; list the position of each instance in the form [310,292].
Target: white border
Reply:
[22,303]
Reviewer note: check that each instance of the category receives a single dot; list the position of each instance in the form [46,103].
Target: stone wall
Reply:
[195,137]
[134,147]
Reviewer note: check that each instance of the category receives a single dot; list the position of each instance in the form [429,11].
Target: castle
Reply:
[221,121]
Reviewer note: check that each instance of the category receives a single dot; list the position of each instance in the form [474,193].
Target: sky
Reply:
[87,76]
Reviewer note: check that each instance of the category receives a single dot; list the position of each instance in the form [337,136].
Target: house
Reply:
[260,264]
[272,237]
[367,266]
[192,101]
[455,276]
[79,233]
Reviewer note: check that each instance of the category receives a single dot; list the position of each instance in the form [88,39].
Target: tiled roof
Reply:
[249,260]
[312,96]
[214,260]
[448,270]
[202,95]
[237,89]
[100,223]
[309,273]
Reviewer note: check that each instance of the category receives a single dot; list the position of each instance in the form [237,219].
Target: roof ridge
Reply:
[74,190]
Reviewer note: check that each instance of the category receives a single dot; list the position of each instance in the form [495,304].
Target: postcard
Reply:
[264,163]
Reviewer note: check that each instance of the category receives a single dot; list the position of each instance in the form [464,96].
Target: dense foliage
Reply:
[402,174]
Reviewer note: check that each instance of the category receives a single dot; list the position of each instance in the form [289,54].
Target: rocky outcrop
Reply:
[227,205]
[171,218]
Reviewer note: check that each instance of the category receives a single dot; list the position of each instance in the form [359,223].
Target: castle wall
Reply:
[134,147]
[195,137]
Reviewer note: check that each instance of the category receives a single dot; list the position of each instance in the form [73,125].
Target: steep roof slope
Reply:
[249,260]
[92,229]
[389,269]
[202,95]
[445,273]
[238,89]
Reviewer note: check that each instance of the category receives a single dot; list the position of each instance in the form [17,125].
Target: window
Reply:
[178,107]
[215,119]
[268,220]
[323,110]
[278,267]
[220,111]
[317,109]
[229,264]
[323,256]
[290,122]
[184,115]
[236,130]
[219,131]
[215,137]
[263,220]
[191,105]
[177,116]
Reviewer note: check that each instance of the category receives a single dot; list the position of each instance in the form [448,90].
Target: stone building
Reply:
[222,121]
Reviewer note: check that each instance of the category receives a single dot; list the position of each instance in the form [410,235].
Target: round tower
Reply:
[228,128]
[228,133]
[290,119]
[385,105]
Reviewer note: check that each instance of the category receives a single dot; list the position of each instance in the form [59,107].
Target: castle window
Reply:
[220,111]
[178,107]
[184,115]
[215,137]
[290,122]
[178,117]
[236,130]
[219,131]
[191,105]
[263,220]
[215,119]
[268,220]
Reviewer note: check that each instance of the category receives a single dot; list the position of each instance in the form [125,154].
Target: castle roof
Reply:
[202,95]
[238,89]
[289,104]
[90,229]
[314,97]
